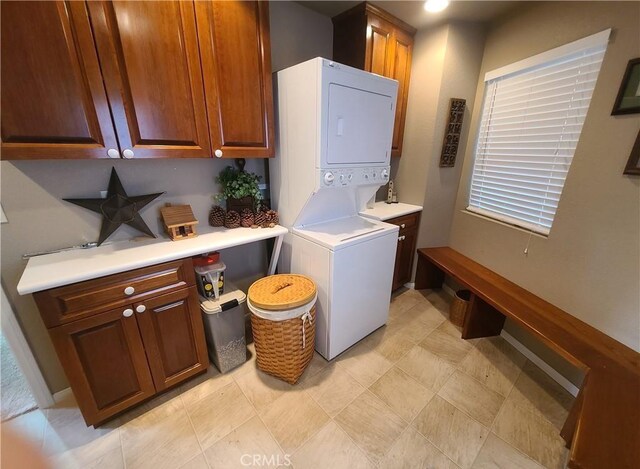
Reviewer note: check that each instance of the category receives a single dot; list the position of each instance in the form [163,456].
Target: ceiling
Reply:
[412,12]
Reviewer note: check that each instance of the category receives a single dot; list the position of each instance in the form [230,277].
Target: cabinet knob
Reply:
[402,225]
[401,238]
[113,153]
[128,153]
[129,291]
[127,312]
[218,153]
[141,308]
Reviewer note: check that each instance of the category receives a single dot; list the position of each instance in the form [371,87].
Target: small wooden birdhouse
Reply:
[179,221]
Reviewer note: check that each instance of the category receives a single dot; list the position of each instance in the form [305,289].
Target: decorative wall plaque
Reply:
[452,133]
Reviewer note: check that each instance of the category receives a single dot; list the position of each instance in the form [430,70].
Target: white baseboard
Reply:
[410,285]
[540,363]
[61,395]
[535,359]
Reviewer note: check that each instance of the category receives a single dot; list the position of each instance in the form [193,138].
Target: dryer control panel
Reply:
[348,177]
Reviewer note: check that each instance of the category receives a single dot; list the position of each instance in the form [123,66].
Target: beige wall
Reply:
[445,65]
[590,263]
[298,34]
[31,192]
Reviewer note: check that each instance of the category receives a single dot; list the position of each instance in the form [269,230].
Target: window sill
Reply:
[508,225]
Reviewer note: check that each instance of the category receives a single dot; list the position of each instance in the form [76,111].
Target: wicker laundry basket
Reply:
[459,306]
[283,322]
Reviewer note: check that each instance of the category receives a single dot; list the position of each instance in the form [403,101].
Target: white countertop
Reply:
[383,211]
[64,268]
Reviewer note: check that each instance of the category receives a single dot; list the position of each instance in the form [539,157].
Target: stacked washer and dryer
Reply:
[335,126]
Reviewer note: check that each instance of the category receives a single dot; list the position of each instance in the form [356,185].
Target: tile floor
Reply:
[412,394]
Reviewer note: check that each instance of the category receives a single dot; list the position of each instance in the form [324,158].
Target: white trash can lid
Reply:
[226,301]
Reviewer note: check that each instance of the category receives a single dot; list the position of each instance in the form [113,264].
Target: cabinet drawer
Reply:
[72,302]
[406,222]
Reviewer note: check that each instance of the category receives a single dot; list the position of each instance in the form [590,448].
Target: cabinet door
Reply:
[53,100]
[404,263]
[400,70]
[151,67]
[236,60]
[379,49]
[105,363]
[173,336]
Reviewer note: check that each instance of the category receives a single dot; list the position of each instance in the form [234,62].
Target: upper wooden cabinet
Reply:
[53,100]
[236,58]
[151,68]
[371,39]
[153,79]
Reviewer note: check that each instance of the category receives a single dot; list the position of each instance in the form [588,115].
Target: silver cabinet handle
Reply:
[401,238]
[218,153]
[402,226]
[129,291]
[141,308]
[128,153]
[113,153]
[127,313]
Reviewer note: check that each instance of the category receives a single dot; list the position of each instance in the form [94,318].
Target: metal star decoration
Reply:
[118,208]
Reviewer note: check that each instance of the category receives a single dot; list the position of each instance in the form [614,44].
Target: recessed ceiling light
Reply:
[434,6]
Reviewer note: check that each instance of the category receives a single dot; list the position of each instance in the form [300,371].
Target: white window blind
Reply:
[531,121]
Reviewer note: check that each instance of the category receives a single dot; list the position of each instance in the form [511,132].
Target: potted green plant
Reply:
[239,189]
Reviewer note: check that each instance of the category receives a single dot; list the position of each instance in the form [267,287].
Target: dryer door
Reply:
[359,127]
[358,112]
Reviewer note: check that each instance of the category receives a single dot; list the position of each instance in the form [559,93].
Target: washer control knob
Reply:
[350,177]
[342,178]
[328,178]
[384,174]
[374,175]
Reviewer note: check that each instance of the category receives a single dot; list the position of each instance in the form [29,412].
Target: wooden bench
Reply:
[603,426]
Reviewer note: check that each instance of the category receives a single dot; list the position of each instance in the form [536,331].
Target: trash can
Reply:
[224,327]
[459,306]
[283,323]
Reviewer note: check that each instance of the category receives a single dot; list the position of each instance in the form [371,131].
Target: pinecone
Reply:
[216,216]
[246,218]
[260,219]
[272,217]
[232,219]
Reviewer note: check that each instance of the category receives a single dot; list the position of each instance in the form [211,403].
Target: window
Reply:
[531,121]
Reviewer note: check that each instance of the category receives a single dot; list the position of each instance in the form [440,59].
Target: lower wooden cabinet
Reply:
[116,358]
[407,239]
[173,337]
